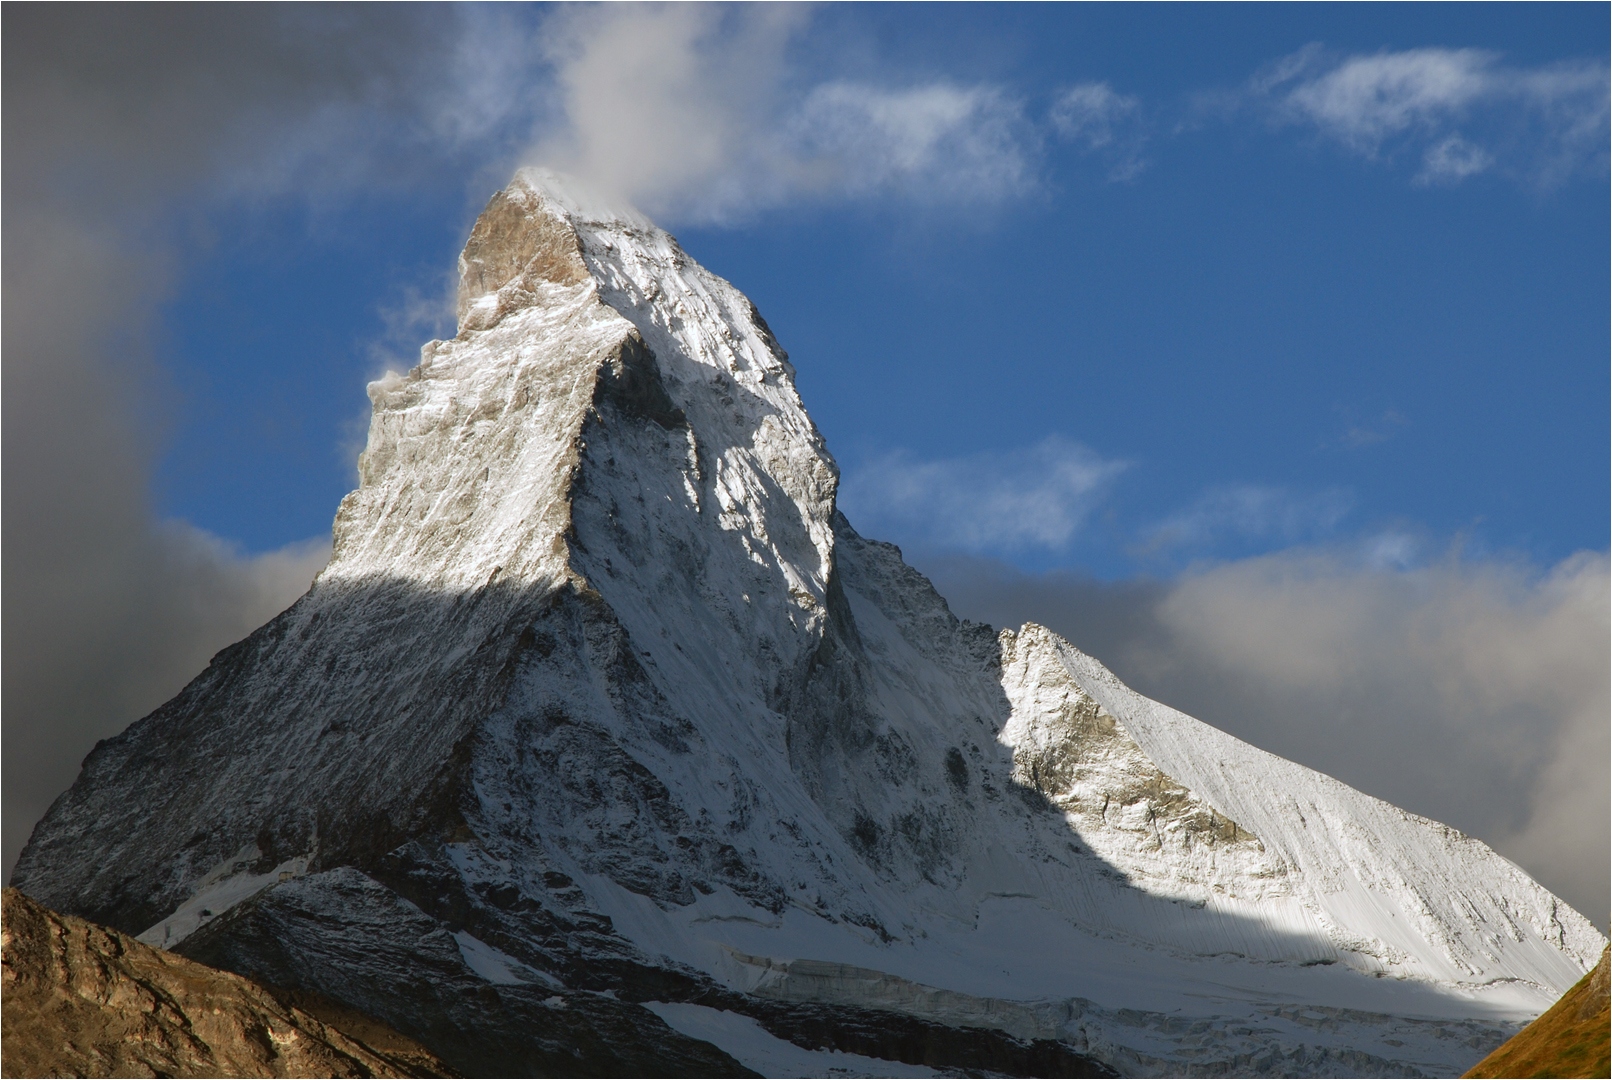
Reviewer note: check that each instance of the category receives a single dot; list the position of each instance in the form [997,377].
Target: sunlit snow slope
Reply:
[600,701]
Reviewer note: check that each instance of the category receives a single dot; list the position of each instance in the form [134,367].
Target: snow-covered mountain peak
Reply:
[601,702]
[569,310]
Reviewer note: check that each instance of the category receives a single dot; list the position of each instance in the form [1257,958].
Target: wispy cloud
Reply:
[1102,121]
[1036,497]
[935,140]
[1362,100]
[1250,512]
[1460,112]
[1451,160]
[1380,430]
[416,316]
[1391,549]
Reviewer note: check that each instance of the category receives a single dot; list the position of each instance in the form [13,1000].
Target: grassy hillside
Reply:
[1571,1040]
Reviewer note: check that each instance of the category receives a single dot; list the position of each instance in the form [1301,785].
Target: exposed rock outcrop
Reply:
[85,1000]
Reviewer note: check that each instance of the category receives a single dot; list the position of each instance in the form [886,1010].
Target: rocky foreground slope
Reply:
[83,1000]
[605,741]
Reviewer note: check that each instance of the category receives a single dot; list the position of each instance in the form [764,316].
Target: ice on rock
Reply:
[600,692]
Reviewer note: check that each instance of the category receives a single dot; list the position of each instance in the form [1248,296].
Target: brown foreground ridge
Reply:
[1572,1039]
[84,1000]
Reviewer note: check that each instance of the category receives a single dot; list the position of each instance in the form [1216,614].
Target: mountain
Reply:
[605,741]
[84,1000]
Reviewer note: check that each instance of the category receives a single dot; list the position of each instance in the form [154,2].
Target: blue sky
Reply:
[1244,327]
[1259,349]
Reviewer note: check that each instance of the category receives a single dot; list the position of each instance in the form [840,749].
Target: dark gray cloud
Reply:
[120,121]
[121,103]
[1475,693]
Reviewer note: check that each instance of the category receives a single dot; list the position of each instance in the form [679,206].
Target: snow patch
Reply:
[499,967]
[752,1046]
[223,887]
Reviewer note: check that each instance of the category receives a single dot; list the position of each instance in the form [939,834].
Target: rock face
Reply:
[602,708]
[83,1000]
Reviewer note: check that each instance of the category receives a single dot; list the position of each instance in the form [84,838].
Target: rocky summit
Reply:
[606,745]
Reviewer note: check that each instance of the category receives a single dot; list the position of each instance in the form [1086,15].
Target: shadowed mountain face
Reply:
[601,708]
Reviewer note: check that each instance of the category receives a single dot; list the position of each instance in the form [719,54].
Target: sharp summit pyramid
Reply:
[606,745]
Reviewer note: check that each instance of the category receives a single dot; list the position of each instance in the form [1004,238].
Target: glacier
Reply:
[605,743]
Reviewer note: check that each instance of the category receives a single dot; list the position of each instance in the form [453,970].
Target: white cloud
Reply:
[1391,550]
[415,317]
[1452,160]
[1037,497]
[1358,436]
[1473,692]
[1365,99]
[933,140]
[1090,111]
[695,111]
[1251,512]
[1104,121]
[1462,111]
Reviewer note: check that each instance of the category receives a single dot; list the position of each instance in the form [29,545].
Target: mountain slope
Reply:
[82,1000]
[601,703]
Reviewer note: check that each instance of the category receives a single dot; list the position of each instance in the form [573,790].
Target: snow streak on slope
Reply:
[599,684]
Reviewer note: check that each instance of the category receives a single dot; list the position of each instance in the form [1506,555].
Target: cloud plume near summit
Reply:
[696,112]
